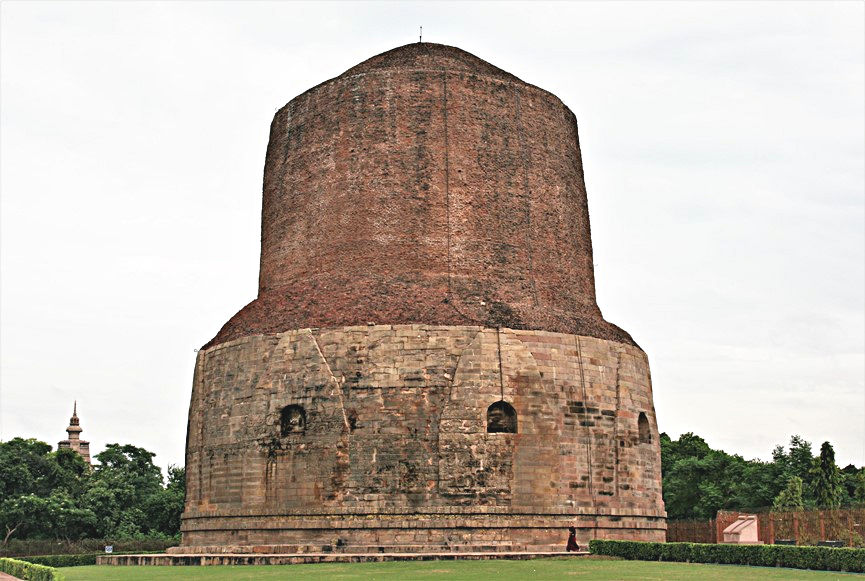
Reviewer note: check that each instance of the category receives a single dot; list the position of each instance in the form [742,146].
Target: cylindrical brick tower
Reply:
[425,364]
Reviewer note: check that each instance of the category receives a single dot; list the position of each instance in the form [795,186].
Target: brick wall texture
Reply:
[426,255]
[425,186]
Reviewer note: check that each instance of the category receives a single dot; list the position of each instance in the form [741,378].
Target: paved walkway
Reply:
[7,577]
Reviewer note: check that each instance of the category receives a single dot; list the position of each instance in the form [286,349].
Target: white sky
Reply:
[724,147]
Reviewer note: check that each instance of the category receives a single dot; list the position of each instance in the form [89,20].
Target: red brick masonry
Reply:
[425,186]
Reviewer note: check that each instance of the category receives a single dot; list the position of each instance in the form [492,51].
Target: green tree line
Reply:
[56,495]
[698,481]
[47,494]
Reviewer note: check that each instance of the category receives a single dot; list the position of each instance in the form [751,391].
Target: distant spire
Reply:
[74,440]
[420,37]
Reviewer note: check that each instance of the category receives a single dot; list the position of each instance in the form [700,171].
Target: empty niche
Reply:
[501,418]
[644,429]
[292,420]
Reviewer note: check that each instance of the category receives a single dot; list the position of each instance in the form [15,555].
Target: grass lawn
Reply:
[557,569]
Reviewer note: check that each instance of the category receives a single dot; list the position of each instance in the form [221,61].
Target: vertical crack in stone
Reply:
[527,192]
[438,431]
[501,371]
[588,428]
[447,403]
[447,178]
[334,379]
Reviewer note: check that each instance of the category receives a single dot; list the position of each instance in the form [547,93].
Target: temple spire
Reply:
[73,441]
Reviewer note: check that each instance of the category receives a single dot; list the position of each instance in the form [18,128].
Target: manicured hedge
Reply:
[75,560]
[816,558]
[29,571]
[20,548]
[61,560]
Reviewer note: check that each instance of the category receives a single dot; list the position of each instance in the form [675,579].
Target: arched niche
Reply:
[644,429]
[501,418]
[292,420]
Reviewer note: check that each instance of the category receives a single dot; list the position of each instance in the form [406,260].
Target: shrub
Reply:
[61,560]
[792,557]
[19,548]
[29,571]
[675,552]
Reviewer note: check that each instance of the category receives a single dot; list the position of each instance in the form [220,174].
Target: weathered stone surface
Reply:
[425,364]
[396,448]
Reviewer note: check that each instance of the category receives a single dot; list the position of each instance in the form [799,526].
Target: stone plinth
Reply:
[743,531]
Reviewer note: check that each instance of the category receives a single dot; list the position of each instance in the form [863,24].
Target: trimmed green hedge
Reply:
[76,560]
[816,558]
[29,571]
[61,560]
[19,548]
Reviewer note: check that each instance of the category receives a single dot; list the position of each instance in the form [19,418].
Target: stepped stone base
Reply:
[430,531]
[308,558]
[357,549]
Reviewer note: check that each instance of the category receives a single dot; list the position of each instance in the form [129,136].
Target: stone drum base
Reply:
[419,435]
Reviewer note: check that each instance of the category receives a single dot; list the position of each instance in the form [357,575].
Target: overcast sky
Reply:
[723,145]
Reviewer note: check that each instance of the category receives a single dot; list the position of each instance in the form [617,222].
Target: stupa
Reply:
[425,364]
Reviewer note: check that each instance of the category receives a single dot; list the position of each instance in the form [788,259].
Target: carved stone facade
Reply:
[425,363]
